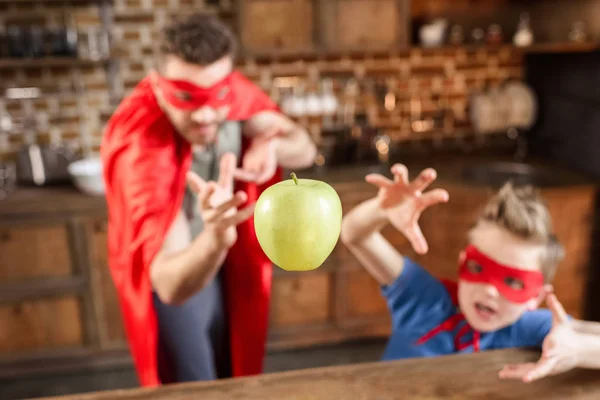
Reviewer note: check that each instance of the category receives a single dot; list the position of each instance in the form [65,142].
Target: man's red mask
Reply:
[186,96]
[517,285]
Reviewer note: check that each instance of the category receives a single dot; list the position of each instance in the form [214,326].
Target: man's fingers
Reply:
[245,176]
[378,180]
[400,173]
[206,194]
[559,315]
[265,175]
[195,183]
[227,168]
[240,216]
[271,134]
[433,197]
[238,199]
[423,180]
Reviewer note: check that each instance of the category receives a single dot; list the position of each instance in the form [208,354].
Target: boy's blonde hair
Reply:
[522,212]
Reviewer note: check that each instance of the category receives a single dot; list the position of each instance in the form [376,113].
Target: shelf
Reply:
[45,62]
[53,2]
[316,54]
[143,13]
[561,47]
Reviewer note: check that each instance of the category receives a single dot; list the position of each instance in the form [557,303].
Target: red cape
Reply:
[145,163]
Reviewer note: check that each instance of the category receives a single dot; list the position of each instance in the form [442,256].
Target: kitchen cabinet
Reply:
[364,24]
[305,25]
[268,25]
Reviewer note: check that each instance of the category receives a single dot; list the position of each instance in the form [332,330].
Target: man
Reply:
[190,121]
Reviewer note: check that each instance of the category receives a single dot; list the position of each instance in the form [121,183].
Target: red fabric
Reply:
[187,96]
[145,163]
[452,322]
[479,268]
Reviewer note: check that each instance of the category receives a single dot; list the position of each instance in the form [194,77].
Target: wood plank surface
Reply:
[471,376]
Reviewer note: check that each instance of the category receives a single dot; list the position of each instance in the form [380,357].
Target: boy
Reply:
[504,275]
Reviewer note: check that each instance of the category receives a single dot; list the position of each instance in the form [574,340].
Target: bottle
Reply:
[524,35]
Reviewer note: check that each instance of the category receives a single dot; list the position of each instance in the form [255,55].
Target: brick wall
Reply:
[424,82]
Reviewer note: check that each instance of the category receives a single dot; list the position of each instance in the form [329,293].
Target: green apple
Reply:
[298,223]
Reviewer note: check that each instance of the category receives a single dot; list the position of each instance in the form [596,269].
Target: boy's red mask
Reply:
[186,96]
[515,284]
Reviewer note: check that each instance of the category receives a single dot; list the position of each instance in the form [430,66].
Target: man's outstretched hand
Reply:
[218,205]
[559,350]
[404,201]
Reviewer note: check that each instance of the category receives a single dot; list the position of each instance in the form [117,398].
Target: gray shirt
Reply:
[205,163]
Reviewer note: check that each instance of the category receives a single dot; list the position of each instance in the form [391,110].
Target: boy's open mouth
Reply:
[484,311]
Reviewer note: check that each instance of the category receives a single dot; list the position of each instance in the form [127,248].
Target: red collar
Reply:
[452,322]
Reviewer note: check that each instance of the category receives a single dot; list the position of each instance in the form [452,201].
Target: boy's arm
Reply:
[398,202]
[361,234]
[589,349]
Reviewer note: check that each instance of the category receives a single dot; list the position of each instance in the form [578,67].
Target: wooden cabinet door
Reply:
[48,324]
[363,24]
[268,25]
[34,251]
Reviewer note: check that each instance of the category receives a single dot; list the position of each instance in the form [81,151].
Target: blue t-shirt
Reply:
[419,302]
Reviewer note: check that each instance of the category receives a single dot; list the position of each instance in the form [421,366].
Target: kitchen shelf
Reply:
[365,53]
[562,47]
[45,62]
[53,2]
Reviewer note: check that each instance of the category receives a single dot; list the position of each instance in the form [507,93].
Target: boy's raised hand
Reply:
[404,201]
[559,350]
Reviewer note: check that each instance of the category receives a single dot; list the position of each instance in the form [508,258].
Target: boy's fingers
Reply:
[417,239]
[516,371]
[559,315]
[433,197]
[423,180]
[400,173]
[378,180]
[543,368]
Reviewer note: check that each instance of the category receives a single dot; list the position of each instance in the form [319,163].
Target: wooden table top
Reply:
[472,376]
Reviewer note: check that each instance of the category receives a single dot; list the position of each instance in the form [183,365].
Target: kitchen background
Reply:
[483,89]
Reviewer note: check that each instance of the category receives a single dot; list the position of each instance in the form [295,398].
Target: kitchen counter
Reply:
[472,376]
[34,202]
[31,201]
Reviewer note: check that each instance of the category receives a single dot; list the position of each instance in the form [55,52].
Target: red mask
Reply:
[517,285]
[186,96]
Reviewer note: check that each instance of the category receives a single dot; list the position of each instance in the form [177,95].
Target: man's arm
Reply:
[294,147]
[182,266]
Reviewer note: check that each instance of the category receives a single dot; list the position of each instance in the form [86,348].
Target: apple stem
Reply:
[293,175]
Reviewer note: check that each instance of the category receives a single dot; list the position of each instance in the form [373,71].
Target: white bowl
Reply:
[87,176]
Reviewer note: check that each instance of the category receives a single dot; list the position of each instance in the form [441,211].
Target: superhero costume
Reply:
[145,162]
[427,322]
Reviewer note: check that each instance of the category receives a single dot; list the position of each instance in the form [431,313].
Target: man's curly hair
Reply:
[197,39]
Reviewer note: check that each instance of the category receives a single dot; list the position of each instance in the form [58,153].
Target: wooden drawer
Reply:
[268,25]
[34,251]
[44,324]
[359,24]
[300,299]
